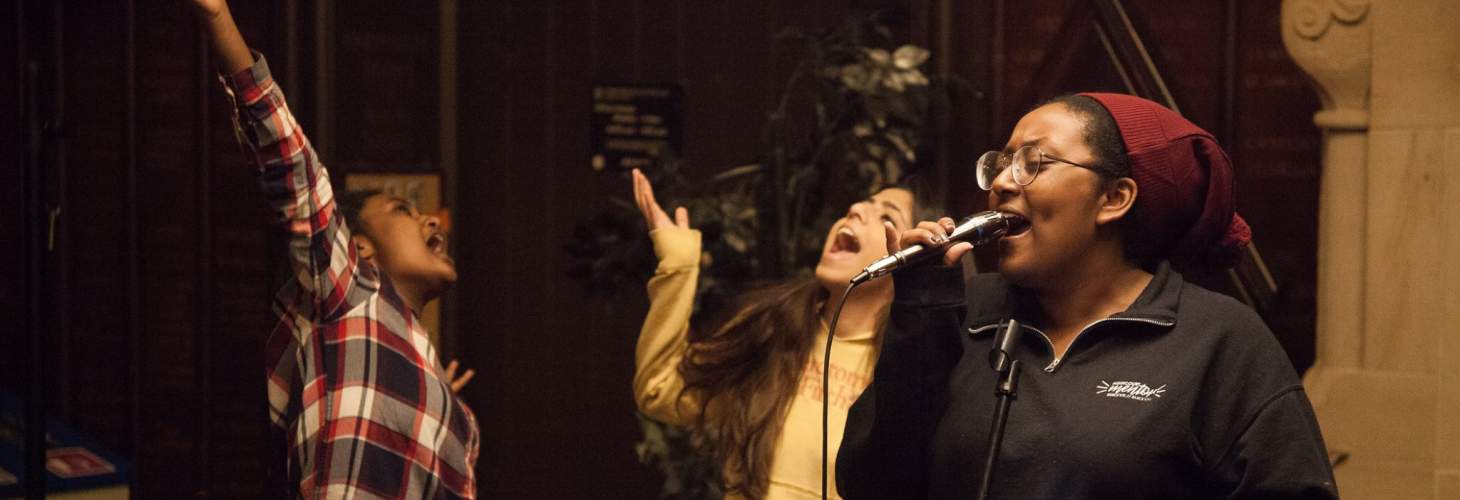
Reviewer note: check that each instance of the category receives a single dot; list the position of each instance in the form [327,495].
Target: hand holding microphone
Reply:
[944,237]
[931,234]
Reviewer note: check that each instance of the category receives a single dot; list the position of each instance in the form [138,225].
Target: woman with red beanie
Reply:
[1137,383]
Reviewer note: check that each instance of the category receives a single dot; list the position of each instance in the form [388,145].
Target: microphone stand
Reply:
[1001,359]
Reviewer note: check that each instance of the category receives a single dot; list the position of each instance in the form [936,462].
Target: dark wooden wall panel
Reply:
[158,335]
[969,38]
[168,193]
[706,107]
[508,32]
[661,39]
[745,44]
[1029,32]
[244,268]
[1186,44]
[385,88]
[14,299]
[97,304]
[1277,151]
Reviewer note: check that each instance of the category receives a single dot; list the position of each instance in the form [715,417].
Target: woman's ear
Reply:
[364,248]
[1117,200]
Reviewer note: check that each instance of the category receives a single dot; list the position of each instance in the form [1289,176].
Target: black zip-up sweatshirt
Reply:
[1186,394]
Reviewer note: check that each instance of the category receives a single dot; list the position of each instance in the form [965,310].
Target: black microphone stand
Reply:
[1001,359]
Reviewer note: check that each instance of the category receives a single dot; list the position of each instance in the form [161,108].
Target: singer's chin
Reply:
[446,276]
[836,272]
[1013,265]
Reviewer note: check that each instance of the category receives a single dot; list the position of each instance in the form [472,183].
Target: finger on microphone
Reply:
[955,252]
[935,231]
[948,224]
[919,236]
[891,232]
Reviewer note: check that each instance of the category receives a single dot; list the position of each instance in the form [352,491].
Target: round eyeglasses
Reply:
[1026,162]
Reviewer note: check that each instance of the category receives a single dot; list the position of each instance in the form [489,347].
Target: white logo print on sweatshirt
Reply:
[1129,390]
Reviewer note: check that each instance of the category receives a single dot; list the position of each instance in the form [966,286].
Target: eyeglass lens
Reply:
[989,166]
[1025,163]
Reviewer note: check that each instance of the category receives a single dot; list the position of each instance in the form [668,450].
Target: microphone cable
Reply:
[826,384]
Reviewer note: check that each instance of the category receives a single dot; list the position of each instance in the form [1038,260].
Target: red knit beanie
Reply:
[1185,210]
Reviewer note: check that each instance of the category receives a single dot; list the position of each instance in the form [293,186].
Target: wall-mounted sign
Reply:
[635,125]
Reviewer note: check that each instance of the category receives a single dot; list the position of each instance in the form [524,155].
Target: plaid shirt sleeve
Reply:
[355,390]
[297,186]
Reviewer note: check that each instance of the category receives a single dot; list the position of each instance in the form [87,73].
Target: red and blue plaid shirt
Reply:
[358,400]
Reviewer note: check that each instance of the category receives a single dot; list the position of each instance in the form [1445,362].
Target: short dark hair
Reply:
[1111,162]
[1101,133]
[350,203]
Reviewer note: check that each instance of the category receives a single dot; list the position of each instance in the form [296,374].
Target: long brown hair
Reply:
[747,370]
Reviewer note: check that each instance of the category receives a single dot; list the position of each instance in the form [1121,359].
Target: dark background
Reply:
[154,300]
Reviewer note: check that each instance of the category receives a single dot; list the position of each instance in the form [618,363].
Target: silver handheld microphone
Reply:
[977,229]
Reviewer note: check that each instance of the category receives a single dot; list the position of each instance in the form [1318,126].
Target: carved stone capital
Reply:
[1330,40]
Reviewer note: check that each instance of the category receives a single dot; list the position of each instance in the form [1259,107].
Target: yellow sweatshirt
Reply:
[796,464]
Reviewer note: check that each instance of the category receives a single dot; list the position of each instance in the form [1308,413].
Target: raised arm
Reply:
[664,336]
[293,179]
[324,262]
[233,53]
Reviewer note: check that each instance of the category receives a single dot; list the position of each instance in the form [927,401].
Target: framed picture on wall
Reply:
[423,190]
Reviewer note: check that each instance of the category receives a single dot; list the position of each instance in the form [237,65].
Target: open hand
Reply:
[458,383]
[928,234]
[210,9]
[654,216]
[223,35]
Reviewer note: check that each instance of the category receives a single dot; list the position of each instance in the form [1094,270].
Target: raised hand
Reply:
[228,44]
[210,9]
[928,234]
[654,216]
[458,383]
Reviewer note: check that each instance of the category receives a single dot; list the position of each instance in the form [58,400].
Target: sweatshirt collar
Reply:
[991,299]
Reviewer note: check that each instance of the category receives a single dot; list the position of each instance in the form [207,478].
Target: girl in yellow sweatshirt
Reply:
[750,388]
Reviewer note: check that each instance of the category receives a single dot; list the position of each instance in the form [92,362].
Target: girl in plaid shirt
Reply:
[359,402]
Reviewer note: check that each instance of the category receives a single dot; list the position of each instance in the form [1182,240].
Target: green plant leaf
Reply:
[909,57]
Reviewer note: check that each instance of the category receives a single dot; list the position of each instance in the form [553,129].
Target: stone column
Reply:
[1386,384]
